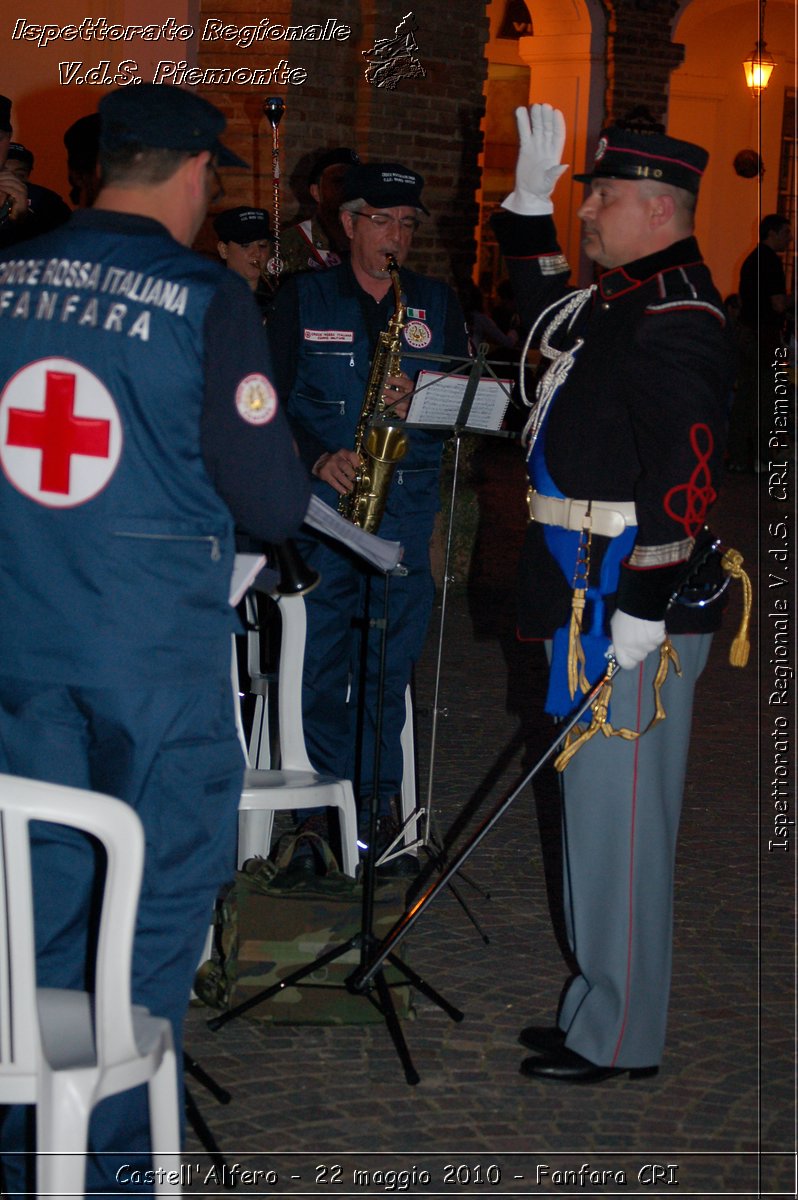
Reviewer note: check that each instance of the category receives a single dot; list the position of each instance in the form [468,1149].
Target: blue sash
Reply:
[563,545]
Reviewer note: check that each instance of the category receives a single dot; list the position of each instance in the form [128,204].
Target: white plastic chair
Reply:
[65,1050]
[295,785]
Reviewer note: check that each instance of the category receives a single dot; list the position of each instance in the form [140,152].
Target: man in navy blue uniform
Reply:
[326,325]
[131,442]
[625,442]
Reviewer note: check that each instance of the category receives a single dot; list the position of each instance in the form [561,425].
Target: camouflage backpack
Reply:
[273,922]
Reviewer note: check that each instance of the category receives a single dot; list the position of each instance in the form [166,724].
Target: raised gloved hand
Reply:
[633,638]
[541,132]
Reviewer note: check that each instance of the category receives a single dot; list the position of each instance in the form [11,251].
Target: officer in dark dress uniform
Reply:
[624,441]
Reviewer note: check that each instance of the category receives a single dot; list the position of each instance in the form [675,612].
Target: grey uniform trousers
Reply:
[621,806]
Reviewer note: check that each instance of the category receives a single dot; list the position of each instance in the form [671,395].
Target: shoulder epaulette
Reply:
[678,293]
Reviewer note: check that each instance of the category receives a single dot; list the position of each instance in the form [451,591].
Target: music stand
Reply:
[456,404]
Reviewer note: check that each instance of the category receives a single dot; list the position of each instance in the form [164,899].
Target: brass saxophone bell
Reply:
[296,577]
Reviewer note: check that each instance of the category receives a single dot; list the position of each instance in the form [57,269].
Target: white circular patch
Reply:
[256,400]
[601,149]
[60,433]
[417,334]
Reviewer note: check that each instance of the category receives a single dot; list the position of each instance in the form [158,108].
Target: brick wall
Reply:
[640,55]
[431,124]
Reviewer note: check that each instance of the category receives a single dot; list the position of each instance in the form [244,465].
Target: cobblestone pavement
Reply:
[317,1105]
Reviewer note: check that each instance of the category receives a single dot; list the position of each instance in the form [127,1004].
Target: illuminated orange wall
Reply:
[42,108]
[710,104]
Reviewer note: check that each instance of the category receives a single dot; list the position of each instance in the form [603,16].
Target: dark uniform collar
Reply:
[108,220]
[620,280]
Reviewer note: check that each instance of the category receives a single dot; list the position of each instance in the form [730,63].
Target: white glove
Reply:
[633,638]
[541,133]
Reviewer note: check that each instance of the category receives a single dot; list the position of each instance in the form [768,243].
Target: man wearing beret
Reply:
[244,245]
[131,443]
[320,241]
[624,441]
[326,325]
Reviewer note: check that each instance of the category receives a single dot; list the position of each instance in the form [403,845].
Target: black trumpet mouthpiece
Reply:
[274,107]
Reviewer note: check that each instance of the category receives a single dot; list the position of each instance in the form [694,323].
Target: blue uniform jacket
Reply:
[334,323]
[130,440]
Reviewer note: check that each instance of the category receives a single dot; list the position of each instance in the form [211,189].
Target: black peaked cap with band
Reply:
[635,154]
[163,117]
[384,185]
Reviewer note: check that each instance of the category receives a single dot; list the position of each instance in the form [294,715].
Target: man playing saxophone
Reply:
[323,330]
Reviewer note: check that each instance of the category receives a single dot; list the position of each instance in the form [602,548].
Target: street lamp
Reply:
[759,65]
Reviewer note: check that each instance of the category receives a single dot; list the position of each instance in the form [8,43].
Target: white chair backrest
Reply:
[119,830]
[293,753]
[291,735]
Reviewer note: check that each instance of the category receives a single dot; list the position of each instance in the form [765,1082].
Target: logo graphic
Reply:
[60,433]
[256,400]
[393,59]
[417,334]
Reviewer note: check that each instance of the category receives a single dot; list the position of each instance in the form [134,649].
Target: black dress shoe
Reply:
[545,1039]
[566,1066]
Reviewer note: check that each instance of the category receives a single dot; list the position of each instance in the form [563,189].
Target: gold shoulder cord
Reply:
[732,563]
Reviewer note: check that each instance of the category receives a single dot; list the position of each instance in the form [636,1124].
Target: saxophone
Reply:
[380,440]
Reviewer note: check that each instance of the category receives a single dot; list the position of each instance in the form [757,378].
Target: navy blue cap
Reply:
[242,225]
[384,185]
[637,154]
[165,117]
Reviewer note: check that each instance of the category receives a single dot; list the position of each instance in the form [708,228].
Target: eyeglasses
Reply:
[383,220]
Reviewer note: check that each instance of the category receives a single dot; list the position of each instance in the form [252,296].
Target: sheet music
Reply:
[438,399]
[245,568]
[381,553]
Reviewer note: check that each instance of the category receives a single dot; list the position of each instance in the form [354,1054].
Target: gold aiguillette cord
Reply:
[600,707]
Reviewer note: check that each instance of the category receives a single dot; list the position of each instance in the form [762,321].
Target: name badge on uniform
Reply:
[329,335]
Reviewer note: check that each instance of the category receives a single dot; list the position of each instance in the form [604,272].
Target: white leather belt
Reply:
[607,517]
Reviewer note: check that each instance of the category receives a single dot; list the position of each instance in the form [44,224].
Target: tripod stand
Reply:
[361,978]
[195,1118]
[454,404]
[364,940]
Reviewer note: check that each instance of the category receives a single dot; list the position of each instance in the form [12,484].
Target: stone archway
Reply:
[567,68]
[562,63]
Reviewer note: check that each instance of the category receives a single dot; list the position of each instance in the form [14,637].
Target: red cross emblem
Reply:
[60,433]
